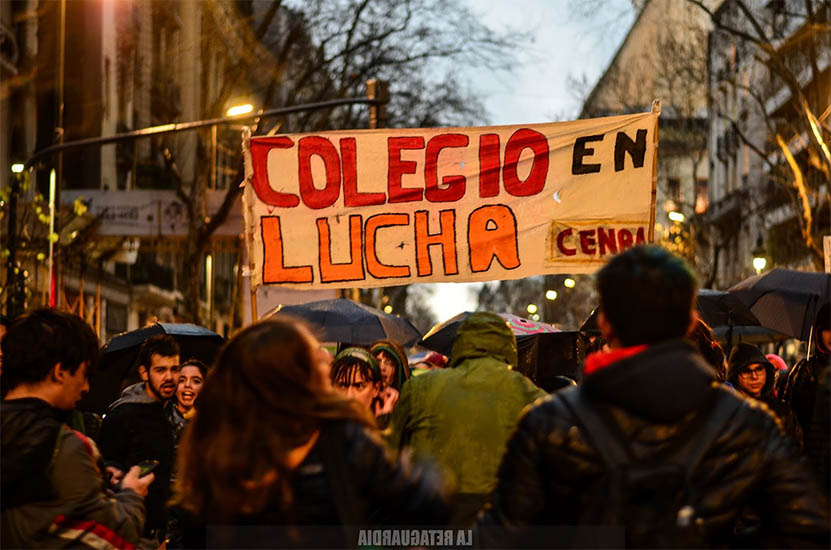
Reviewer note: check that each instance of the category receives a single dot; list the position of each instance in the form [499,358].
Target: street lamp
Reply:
[550,294]
[569,282]
[760,262]
[237,110]
[676,216]
[532,308]
[17,168]
[388,309]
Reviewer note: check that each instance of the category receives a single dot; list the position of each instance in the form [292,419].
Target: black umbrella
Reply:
[755,335]
[342,320]
[590,324]
[440,337]
[717,308]
[118,357]
[785,300]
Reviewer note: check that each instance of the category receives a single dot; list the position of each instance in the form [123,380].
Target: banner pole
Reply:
[656,108]
[246,212]
[254,314]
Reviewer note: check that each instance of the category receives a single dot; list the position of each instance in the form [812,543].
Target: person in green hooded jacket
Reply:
[461,417]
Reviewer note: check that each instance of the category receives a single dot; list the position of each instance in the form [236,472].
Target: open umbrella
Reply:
[785,300]
[717,308]
[747,334]
[118,358]
[440,337]
[342,320]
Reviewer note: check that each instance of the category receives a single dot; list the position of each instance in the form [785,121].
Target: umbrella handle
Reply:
[810,338]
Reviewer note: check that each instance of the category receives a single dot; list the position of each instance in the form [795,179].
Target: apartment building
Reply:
[761,89]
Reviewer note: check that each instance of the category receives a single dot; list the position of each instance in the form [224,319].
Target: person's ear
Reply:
[143,373]
[605,327]
[58,374]
[693,322]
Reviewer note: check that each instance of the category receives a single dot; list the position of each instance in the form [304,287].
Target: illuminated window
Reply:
[701,199]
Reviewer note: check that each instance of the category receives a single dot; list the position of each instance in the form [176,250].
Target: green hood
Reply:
[484,335]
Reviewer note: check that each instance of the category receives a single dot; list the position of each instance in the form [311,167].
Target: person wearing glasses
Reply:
[750,372]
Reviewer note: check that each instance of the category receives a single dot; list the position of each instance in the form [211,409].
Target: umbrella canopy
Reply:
[785,300]
[717,308]
[342,320]
[116,369]
[590,324]
[440,337]
[755,335]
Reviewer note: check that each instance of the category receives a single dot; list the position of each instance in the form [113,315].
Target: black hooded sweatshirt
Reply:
[744,355]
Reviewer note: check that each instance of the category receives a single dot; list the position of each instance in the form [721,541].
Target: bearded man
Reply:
[136,427]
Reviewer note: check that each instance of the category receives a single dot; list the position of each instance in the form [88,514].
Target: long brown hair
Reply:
[264,397]
[395,353]
[709,347]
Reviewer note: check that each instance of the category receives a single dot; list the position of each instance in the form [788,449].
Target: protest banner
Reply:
[366,208]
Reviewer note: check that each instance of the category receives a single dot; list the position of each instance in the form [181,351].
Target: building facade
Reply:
[127,65]
[663,57]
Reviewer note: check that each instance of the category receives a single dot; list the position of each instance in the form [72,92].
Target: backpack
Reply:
[652,501]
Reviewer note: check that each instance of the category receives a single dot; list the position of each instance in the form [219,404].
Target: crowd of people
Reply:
[665,442]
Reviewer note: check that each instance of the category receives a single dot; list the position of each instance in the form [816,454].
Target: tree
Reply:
[313,51]
[74,230]
[775,57]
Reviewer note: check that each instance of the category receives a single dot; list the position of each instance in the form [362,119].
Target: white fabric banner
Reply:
[368,208]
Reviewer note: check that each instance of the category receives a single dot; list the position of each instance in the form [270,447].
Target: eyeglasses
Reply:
[753,372]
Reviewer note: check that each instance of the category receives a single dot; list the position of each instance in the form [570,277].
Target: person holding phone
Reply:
[137,426]
[52,495]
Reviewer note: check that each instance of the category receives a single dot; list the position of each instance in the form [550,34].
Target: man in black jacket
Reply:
[52,488]
[654,399]
[137,428]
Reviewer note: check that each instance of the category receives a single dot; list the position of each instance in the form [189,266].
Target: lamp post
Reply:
[53,279]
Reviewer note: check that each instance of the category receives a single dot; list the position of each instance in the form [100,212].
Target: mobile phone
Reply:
[147,466]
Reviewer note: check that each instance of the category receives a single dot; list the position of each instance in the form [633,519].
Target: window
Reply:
[116,318]
[674,190]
